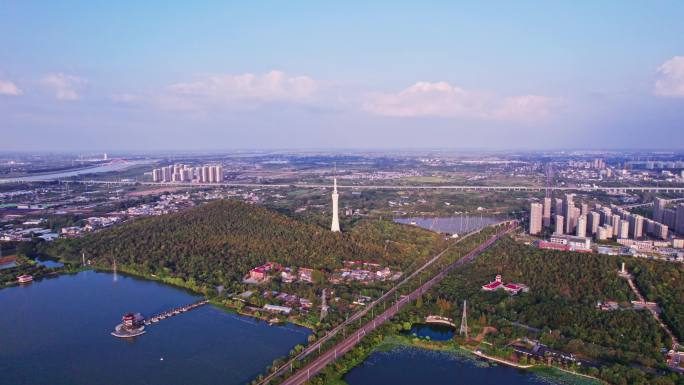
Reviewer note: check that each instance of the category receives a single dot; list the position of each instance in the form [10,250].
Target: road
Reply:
[316,346]
[304,374]
[608,189]
[633,206]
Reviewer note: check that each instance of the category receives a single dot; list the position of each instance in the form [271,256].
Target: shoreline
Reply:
[499,360]
[195,291]
[392,341]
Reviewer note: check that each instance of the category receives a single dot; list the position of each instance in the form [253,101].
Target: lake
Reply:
[409,366]
[49,263]
[57,331]
[434,332]
[451,225]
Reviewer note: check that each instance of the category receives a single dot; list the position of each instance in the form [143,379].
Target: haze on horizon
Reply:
[213,75]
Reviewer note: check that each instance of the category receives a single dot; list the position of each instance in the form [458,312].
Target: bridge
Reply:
[330,355]
[173,312]
[137,324]
[606,189]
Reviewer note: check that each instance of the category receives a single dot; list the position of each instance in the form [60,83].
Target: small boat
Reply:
[24,279]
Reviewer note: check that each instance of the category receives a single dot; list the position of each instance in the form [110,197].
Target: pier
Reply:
[133,325]
[173,312]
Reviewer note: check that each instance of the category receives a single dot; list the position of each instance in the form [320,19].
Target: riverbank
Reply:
[225,304]
[396,342]
[549,371]
[8,277]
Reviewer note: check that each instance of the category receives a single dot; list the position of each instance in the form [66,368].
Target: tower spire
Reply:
[335,226]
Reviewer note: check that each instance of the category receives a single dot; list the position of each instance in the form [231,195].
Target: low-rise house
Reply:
[383,274]
[607,305]
[277,309]
[305,303]
[306,275]
[287,277]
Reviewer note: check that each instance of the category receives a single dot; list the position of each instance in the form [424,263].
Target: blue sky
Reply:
[219,75]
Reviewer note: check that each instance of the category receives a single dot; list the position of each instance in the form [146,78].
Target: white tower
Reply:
[335,227]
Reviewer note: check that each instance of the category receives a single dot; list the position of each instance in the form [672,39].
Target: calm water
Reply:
[67,174]
[56,331]
[409,366]
[49,263]
[433,331]
[452,225]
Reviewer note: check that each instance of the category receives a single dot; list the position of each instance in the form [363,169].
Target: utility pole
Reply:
[464,321]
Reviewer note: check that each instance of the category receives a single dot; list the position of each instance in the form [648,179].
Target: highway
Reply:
[316,346]
[330,355]
[609,189]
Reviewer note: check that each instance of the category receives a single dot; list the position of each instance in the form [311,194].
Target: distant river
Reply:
[452,225]
[117,166]
[56,331]
[409,366]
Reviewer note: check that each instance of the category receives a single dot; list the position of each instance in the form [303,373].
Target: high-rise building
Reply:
[205,174]
[335,226]
[659,230]
[536,212]
[558,206]
[636,226]
[659,209]
[218,174]
[623,230]
[157,175]
[585,209]
[603,233]
[606,216]
[559,220]
[571,220]
[546,217]
[679,219]
[616,225]
[670,218]
[581,228]
[593,222]
[567,203]
[166,177]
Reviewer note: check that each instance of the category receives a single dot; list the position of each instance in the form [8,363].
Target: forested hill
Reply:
[218,242]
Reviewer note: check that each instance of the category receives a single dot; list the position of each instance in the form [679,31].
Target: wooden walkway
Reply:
[173,312]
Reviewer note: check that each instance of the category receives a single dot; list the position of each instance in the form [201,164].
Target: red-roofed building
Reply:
[511,288]
[552,246]
[515,288]
[260,273]
[493,285]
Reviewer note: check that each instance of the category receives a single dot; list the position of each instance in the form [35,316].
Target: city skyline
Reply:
[235,76]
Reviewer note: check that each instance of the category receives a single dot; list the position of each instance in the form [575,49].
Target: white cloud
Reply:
[125,98]
[271,86]
[441,99]
[65,86]
[9,88]
[671,78]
